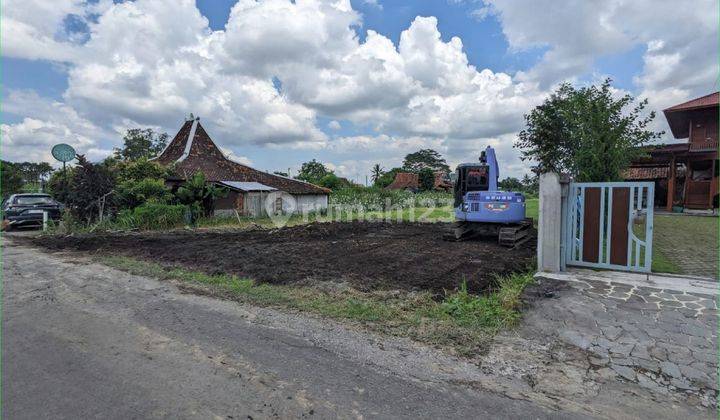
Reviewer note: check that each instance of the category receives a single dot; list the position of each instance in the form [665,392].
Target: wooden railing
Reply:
[705,144]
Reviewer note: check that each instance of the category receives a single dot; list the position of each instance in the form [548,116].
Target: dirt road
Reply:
[81,340]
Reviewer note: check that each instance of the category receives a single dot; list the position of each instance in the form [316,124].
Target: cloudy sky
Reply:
[351,83]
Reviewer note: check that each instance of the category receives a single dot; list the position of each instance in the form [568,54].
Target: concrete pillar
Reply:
[549,223]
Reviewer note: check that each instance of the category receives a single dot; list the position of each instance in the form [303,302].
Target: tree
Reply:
[531,184]
[141,143]
[280,173]
[11,179]
[312,172]
[587,132]
[511,184]
[377,172]
[387,177]
[34,172]
[426,179]
[425,158]
[89,183]
[59,184]
[199,195]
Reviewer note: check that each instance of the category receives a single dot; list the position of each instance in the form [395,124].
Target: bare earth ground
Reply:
[81,339]
[368,256]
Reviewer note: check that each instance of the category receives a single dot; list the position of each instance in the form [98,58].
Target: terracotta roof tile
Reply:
[647,172]
[205,156]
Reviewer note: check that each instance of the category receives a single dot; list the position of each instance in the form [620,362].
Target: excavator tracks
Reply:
[510,236]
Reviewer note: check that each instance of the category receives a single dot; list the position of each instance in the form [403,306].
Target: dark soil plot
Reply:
[367,255]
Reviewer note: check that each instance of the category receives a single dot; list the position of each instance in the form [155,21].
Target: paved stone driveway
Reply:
[665,341]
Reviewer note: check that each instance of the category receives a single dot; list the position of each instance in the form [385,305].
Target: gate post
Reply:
[549,223]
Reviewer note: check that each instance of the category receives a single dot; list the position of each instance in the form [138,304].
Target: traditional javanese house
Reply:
[410,181]
[685,174]
[192,151]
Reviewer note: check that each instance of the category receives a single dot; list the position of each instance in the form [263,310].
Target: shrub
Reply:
[89,183]
[426,178]
[152,216]
[132,193]
[379,199]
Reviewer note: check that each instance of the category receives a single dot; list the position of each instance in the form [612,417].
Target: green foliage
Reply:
[586,132]
[89,183]
[131,193]
[141,181]
[140,169]
[59,184]
[377,172]
[426,179]
[151,215]
[281,173]
[380,199]
[494,311]
[312,172]
[33,172]
[386,178]
[11,180]
[199,195]
[510,184]
[333,182]
[141,143]
[425,158]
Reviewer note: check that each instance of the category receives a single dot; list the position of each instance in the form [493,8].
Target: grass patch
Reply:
[460,321]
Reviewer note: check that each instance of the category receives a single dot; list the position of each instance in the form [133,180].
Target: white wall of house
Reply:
[311,202]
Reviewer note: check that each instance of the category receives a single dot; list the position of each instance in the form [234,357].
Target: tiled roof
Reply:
[441,182]
[648,172]
[404,181]
[701,102]
[679,116]
[203,155]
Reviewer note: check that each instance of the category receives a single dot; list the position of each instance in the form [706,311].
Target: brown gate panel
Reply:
[591,225]
[619,226]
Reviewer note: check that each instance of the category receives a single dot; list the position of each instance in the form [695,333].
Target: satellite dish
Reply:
[63,152]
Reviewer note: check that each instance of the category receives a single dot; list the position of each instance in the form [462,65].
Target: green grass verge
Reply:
[461,321]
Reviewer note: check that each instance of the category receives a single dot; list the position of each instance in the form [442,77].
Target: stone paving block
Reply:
[671,369]
[624,371]
[576,339]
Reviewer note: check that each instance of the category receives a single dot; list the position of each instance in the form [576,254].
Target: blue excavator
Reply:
[481,209]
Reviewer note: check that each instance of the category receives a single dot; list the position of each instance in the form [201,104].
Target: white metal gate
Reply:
[609,225]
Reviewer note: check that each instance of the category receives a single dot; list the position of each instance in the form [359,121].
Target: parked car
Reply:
[28,209]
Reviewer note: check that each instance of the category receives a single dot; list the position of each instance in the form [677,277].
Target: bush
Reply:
[132,193]
[379,199]
[152,216]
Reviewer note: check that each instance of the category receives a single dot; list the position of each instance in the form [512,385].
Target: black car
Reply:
[28,209]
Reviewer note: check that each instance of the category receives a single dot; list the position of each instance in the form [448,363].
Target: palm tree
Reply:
[377,172]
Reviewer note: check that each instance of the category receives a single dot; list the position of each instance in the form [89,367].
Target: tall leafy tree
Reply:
[510,184]
[426,179]
[141,143]
[425,158]
[387,177]
[312,172]
[89,183]
[11,179]
[590,133]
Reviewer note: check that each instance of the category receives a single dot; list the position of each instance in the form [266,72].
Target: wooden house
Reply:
[685,174]
[192,150]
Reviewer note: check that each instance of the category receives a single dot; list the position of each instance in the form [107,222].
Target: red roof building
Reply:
[686,174]
[192,151]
